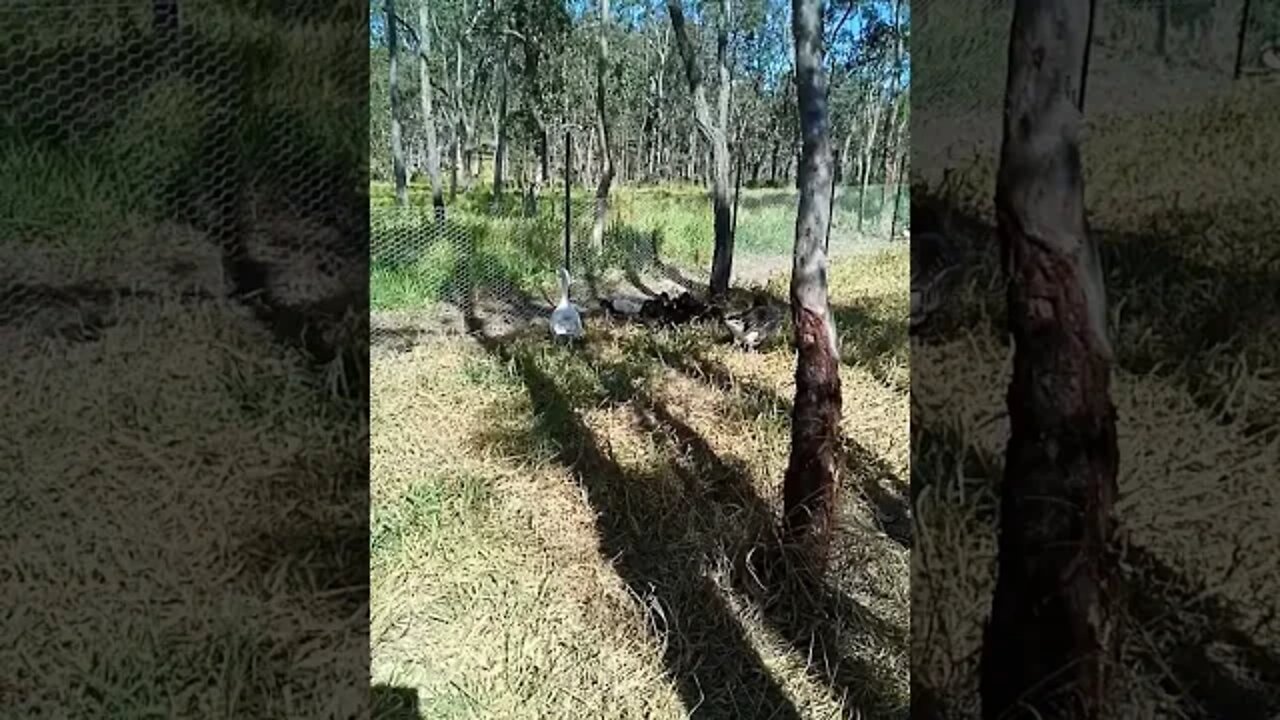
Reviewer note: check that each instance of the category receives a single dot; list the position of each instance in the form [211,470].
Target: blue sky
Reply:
[635,10]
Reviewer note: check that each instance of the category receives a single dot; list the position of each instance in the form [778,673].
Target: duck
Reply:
[566,320]
[655,308]
[935,264]
[621,307]
[756,326]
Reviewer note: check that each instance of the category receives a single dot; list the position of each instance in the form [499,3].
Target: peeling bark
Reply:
[714,131]
[399,170]
[602,127]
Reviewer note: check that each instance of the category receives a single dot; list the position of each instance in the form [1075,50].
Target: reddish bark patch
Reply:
[809,489]
[1050,643]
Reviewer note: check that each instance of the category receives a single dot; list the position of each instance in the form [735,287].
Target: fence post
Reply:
[1244,24]
[1088,48]
[568,158]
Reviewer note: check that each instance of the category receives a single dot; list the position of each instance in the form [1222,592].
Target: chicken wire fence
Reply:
[477,268]
[191,147]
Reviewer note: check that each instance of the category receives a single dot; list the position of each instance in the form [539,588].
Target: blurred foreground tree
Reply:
[1050,642]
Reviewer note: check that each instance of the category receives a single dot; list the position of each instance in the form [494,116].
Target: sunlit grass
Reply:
[418,262]
[547,521]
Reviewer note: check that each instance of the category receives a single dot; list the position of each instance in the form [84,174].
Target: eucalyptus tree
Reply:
[1052,640]
[811,480]
[713,128]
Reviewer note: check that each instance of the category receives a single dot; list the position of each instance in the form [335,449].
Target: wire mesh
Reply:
[184,173]
[495,265]
[237,131]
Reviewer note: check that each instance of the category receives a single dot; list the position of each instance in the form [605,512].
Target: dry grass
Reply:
[562,534]
[184,513]
[1195,389]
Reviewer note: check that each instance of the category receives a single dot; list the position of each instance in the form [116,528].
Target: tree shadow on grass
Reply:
[812,615]
[879,483]
[869,342]
[1177,314]
[717,672]
[814,618]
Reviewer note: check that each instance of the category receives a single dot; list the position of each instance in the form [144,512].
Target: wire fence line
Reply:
[183,237]
[500,261]
[225,128]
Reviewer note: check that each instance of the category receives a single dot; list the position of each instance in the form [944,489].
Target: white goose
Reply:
[1271,56]
[566,321]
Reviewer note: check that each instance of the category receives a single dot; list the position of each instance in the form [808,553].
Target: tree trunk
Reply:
[715,134]
[588,161]
[886,157]
[897,194]
[1240,36]
[894,162]
[453,166]
[500,139]
[602,127]
[737,188]
[843,171]
[1162,28]
[811,479]
[773,161]
[429,114]
[399,170]
[868,152]
[689,157]
[1051,642]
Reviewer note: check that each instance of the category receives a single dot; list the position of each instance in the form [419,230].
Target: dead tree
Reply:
[428,111]
[715,131]
[397,144]
[810,484]
[602,128]
[1050,642]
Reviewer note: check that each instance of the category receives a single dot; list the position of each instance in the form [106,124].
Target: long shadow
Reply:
[717,672]
[883,489]
[1197,310]
[1207,687]
[633,277]
[677,276]
[870,342]
[808,613]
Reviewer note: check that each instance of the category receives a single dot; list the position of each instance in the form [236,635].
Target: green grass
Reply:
[558,534]
[187,526]
[417,262]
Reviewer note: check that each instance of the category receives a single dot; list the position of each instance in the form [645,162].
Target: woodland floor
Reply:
[562,533]
[182,510]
